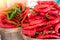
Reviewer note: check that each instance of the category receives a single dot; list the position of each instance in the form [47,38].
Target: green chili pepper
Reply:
[12,15]
[18,10]
[25,7]
[20,18]
[7,16]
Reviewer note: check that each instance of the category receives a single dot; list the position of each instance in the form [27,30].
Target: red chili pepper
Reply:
[43,28]
[38,18]
[47,36]
[15,20]
[23,14]
[36,22]
[57,6]
[4,23]
[18,15]
[2,16]
[33,26]
[53,12]
[42,8]
[25,25]
[7,24]
[51,17]
[31,16]
[57,29]
[46,15]
[47,31]
[29,20]
[53,22]
[46,2]
[26,11]
[29,32]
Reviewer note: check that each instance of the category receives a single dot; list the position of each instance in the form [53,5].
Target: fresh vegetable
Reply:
[45,19]
[57,29]
[12,17]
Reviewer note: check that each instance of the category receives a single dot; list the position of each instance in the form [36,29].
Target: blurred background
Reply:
[8,3]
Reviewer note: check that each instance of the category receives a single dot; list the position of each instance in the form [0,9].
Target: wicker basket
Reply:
[11,34]
[0,33]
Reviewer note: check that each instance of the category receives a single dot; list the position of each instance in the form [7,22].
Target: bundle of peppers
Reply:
[43,21]
[13,16]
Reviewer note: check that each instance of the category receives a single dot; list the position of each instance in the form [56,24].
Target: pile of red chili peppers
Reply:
[43,21]
[11,18]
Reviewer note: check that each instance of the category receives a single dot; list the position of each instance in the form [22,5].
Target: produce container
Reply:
[11,34]
[31,4]
[0,33]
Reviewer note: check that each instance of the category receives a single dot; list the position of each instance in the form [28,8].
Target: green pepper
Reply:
[20,18]
[25,7]
[18,10]
[11,15]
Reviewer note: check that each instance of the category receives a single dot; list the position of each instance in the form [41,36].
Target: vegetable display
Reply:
[40,22]
[43,21]
[13,16]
